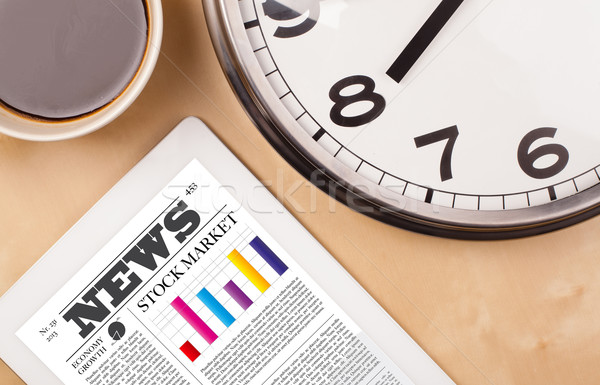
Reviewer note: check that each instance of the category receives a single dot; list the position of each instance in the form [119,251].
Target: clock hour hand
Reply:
[422,39]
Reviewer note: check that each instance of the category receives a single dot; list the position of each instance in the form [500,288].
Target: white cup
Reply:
[29,128]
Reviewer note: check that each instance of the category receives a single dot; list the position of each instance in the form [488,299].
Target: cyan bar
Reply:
[215,306]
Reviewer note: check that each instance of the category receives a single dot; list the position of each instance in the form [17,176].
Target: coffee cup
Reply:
[74,67]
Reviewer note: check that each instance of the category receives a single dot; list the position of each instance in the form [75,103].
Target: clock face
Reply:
[464,118]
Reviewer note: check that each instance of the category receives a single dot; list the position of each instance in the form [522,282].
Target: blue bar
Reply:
[216,307]
[268,255]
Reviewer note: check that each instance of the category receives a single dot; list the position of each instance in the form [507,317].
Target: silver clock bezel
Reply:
[285,134]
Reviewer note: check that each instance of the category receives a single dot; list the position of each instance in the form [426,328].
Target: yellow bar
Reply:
[250,272]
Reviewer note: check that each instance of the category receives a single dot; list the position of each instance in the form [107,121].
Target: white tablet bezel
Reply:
[192,139]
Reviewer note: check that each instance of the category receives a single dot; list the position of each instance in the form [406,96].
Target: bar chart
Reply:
[218,293]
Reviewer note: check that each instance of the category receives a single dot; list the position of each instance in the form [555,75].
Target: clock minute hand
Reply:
[422,39]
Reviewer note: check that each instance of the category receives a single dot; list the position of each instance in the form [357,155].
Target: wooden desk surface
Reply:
[510,312]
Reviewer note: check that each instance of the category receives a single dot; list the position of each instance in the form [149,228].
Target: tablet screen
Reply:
[193,290]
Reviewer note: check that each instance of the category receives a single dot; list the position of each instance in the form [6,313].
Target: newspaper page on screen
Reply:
[194,291]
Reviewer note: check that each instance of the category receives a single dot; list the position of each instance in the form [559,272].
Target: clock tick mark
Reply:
[319,134]
[429,196]
[552,193]
[360,164]
[284,95]
[272,72]
[259,49]
[251,24]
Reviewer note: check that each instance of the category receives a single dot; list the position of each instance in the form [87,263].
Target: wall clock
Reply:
[472,119]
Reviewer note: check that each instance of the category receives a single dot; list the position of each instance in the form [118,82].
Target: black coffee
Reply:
[65,58]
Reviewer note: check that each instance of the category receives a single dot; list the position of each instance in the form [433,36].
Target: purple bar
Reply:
[268,255]
[192,318]
[238,295]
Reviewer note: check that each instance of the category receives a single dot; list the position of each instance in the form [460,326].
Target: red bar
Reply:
[190,351]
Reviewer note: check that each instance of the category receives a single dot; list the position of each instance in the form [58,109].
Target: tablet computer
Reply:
[188,271]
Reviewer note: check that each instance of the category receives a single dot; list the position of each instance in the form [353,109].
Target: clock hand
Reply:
[422,39]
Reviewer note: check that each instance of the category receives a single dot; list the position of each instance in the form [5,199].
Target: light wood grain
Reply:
[511,312]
